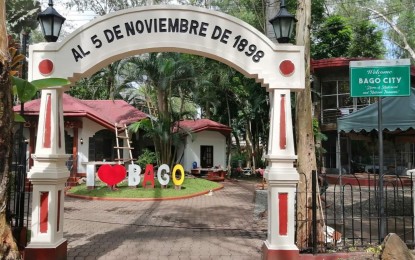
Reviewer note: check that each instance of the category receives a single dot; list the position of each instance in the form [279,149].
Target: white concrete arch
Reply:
[279,68]
[169,29]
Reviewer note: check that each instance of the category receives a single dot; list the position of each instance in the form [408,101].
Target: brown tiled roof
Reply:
[199,125]
[104,112]
[333,62]
[341,62]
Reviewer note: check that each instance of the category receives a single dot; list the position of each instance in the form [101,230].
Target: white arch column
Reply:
[48,176]
[282,180]
[193,30]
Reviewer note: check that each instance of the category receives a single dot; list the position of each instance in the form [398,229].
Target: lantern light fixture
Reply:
[283,24]
[51,22]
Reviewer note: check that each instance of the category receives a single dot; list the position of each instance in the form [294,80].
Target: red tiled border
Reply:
[141,199]
[367,180]
[338,255]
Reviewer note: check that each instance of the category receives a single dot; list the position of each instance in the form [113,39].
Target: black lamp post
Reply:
[283,24]
[51,22]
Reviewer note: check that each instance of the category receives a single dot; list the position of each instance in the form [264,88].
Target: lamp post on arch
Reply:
[280,173]
[51,22]
[283,24]
[49,172]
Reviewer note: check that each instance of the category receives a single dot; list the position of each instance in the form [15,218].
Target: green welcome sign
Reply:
[380,78]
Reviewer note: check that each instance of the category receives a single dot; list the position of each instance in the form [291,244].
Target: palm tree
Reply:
[104,84]
[163,77]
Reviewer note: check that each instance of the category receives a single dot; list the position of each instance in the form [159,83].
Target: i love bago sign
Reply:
[113,175]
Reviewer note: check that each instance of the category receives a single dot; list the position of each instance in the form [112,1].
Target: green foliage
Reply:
[318,137]
[144,124]
[165,81]
[376,249]
[106,83]
[237,159]
[26,90]
[252,12]
[317,12]
[339,36]
[372,13]
[18,118]
[21,15]
[402,13]
[366,41]
[102,7]
[332,40]
[23,89]
[146,157]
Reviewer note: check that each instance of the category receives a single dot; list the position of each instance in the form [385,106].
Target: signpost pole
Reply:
[381,174]
[380,78]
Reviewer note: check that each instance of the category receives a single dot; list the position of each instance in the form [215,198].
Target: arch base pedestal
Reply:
[278,254]
[56,253]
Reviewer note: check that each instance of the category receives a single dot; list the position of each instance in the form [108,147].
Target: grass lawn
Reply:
[190,186]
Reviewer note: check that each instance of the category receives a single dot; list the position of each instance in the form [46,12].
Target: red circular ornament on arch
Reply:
[46,67]
[287,67]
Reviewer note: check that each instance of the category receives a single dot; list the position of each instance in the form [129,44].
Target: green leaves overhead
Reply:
[50,82]
[332,39]
[21,15]
[26,90]
[23,89]
[366,34]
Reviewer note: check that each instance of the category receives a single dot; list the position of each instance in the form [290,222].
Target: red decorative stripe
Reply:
[59,210]
[47,134]
[44,212]
[283,136]
[283,216]
[59,126]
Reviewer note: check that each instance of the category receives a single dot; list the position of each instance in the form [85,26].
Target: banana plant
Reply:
[26,90]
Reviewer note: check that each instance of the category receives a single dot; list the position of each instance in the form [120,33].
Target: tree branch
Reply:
[397,30]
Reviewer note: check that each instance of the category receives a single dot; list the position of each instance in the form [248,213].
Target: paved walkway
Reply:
[220,226]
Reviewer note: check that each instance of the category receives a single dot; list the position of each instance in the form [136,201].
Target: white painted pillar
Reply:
[48,176]
[282,180]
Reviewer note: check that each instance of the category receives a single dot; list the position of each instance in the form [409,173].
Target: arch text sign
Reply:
[170,29]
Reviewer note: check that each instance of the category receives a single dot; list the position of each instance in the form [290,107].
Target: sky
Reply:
[74,19]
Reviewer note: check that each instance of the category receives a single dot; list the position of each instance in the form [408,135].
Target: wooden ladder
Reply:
[121,132]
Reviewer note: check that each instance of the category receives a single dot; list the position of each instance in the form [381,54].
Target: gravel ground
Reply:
[261,204]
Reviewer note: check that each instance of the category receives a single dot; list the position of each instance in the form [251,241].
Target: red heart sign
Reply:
[112,175]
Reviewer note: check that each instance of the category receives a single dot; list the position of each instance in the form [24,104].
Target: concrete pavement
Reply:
[221,226]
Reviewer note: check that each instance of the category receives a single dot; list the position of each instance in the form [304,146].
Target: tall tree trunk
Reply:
[249,147]
[237,142]
[163,117]
[229,138]
[8,247]
[306,162]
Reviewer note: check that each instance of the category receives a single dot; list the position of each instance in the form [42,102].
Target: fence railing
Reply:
[355,216]
[19,195]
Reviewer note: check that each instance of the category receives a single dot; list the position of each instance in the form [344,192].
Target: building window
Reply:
[362,102]
[101,146]
[206,156]
[335,100]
